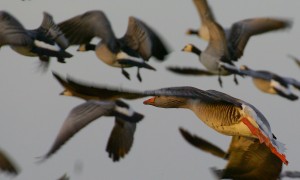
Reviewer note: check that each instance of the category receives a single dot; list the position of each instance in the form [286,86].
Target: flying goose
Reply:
[241,30]
[122,134]
[223,113]
[226,46]
[247,157]
[296,60]
[45,41]
[7,165]
[139,43]
[269,82]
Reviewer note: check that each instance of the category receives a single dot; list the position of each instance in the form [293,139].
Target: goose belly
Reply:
[264,85]
[225,119]
[106,56]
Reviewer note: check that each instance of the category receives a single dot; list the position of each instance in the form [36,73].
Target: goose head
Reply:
[191,48]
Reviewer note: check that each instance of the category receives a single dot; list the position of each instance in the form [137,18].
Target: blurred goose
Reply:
[139,43]
[44,42]
[122,135]
[7,165]
[226,46]
[296,60]
[240,31]
[247,158]
[269,82]
[223,113]
[205,14]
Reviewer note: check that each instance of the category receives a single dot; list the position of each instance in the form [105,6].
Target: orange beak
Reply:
[149,101]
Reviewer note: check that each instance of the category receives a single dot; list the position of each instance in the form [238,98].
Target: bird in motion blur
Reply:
[224,45]
[221,112]
[269,82]
[247,158]
[7,165]
[122,134]
[139,43]
[46,41]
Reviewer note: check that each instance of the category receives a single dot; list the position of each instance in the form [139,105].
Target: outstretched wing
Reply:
[81,29]
[12,31]
[78,118]
[121,139]
[144,40]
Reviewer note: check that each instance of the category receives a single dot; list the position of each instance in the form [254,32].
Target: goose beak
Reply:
[66,93]
[149,101]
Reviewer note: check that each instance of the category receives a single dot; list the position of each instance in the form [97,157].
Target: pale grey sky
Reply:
[32,111]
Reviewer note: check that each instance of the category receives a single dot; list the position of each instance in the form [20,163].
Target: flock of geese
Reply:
[254,153]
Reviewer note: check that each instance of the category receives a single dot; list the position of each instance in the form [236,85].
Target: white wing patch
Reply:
[44,45]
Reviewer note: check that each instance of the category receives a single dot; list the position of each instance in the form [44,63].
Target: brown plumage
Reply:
[221,112]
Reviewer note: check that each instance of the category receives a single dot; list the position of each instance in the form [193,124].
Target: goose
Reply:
[242,29]
[7,164]
[296,60]
[45,41]
[227,46]
[221,112]
[247,157]
[122,134]
[269,82]
[139,43]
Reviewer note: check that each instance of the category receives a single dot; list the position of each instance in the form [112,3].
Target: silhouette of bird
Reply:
[122,134]
[7,164]
[139,43]
[269,82]
[223,113]
[46,41]
[225,46]
[247,157]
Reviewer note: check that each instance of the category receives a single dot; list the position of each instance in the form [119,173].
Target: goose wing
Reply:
[190,71]
[144,40]
[241,32]
[78,118]
[202,144]
[217,45]
[121,139]
[7,165]
[81,29]
[12,31]
[249,159]
[204,11]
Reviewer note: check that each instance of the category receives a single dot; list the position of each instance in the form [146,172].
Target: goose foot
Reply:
[220,81]
[126,74]
[235,79]
[138,75]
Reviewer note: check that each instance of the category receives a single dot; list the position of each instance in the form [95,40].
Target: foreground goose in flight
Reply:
[44,42]
[7,165]
[223,113]
[139,43]
[296,60]
[269,82]
[247,158]
[122,135]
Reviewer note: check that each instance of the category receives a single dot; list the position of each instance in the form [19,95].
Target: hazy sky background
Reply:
[32,110]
